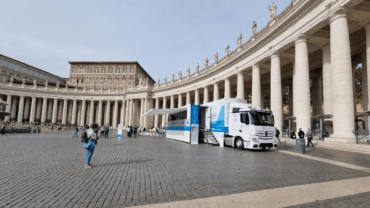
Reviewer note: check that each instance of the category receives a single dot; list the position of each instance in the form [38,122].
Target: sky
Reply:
[164,36]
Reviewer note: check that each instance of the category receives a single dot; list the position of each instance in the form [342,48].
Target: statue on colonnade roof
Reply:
[273,13]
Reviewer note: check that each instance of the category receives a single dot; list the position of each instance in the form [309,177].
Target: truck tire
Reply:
[239,143]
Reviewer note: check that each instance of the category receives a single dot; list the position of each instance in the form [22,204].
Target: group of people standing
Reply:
[131,131]
[301,135]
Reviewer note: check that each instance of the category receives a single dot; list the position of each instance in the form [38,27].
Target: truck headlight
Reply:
[254,139]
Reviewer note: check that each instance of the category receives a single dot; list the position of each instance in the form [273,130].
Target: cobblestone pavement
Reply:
[46,170]
[336,155]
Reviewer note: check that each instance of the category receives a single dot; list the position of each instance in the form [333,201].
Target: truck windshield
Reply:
[261,119]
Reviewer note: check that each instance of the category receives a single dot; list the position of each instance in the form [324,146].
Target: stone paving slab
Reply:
[46,170]
[358,200]
[336,155]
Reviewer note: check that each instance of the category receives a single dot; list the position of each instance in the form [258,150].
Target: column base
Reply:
[341,139]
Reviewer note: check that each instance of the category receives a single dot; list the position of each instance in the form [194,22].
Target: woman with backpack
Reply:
[90,140]
[309,138]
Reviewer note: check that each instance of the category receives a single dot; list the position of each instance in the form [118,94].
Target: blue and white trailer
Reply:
[230,122]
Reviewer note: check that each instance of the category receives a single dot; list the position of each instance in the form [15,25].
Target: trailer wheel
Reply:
[239,143]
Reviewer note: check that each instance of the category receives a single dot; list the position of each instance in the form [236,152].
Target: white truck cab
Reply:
[250,127]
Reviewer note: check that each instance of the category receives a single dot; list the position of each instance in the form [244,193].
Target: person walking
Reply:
[128,131]
[75,130]
[92,135]
[102,131]
[309,135]
[293,136]
[277,135]
[301,134]
[3,129]
[106,130]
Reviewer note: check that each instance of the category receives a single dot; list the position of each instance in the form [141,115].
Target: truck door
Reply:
[208,118]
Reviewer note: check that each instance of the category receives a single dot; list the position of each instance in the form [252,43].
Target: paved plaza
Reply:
[46,170]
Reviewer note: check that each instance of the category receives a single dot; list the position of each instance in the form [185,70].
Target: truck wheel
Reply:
[239,143]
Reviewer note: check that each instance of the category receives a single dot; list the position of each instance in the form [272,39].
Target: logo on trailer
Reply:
[266,133]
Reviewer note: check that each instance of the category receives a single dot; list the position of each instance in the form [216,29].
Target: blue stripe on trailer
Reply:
[178,128]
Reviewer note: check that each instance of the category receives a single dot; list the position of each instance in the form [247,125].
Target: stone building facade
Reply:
[312,45]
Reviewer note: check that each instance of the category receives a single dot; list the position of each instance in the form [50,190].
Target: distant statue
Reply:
[239,42]
[197,68]
[146,81]
[11,80]
[227,50]
[273,13]
[58,84]
[66,85]
[254,29]
[188,71]
[85,86]
[173,77]
[206,63]
[180,75]
[216,57]
[165,80]
[46,83]
[35,82]
[159,82]
[23,81]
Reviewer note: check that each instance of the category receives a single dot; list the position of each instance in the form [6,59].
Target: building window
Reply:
[103,70]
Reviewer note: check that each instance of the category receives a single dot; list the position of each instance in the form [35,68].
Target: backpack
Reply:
[84,138]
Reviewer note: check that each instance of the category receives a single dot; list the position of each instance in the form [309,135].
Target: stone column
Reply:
[44,110]
[256,86]
[294,91]
[316,96]
[227,88]
[14,109]
[123,113]
[156,117]
[291,108]
[342,87]
[100,112]
[276,91]
[188,100]
[60,111]
[83,112]
[206,95]
[145,124]
[64,114]
[115,116]
[74,109]
[92,112]
[366,60]
[69,114]
[107,115]
[20,109]
[164,115]
[26,115]
[215,92]
[365,98]
[141,112]
[240,92]
[196,99]
[55,111]
[180,101]
[7,108]
[33,109]
[326,74]
[302,85]
[128,112]
[172,105]
[38,110]
[50,111]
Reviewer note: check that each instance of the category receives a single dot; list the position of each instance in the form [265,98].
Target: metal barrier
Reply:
[361,135]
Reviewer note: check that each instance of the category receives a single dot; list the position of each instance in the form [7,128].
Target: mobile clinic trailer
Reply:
[230,122]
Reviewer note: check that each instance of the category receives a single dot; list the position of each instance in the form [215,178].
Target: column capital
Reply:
[275,54]
[301,38]
[256,65]
[227,79]
[340,13]
[326,47]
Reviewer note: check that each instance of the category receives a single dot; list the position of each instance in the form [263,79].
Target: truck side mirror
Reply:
[236,110]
